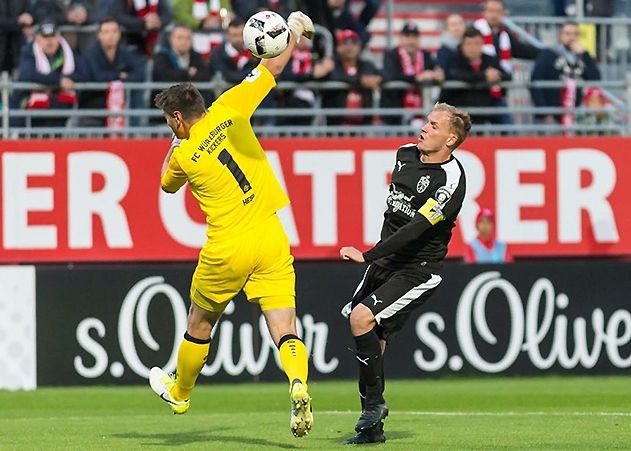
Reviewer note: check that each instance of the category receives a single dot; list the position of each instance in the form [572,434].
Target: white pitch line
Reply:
[347,412]
[489,414]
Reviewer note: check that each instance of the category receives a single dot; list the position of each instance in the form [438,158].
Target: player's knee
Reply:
[200,322]
[199,330]
[362,319]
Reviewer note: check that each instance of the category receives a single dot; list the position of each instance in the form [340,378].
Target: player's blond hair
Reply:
[459,121]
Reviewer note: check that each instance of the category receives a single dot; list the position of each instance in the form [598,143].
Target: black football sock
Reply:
[370,366]
[383,378]
[362,393]
[362,386]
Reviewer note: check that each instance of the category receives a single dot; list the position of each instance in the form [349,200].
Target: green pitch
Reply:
[455,414]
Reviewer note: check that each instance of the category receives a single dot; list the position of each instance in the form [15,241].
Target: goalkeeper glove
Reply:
[300,25]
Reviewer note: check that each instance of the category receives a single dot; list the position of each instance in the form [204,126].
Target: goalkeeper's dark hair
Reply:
[184,98]
[459,121]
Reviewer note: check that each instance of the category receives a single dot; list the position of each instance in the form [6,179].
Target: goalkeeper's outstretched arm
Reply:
[300,25]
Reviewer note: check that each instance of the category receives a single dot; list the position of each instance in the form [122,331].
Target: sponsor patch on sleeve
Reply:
[253,75]
[432,211]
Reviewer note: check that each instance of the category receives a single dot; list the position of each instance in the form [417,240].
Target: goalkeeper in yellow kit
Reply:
[218,154]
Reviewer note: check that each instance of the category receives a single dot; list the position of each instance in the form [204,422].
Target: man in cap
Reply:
[49,61]
[362,77]
[408,62]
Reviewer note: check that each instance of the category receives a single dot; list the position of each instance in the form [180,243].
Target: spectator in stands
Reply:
[232,59]
[558,7]
[472,65]
[142,20]
[602,8]
[180,63]
[336,16]
[234,62]
[193,13]
[49,61]
[599,111]
[485,248]
[305,65]
[370,10]
[362,76]
[15,17]
[109,60]
[70,12]
[450,39]
[245,8]
[408,62]
[568,62]
[591,8]
[204,18]
[498,42]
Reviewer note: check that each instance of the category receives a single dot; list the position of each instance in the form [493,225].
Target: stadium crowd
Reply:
[197,40]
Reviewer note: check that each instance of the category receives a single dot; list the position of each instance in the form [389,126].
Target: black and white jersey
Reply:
[423,203]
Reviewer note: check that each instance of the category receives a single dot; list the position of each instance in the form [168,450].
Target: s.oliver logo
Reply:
[133,318]
[540,324]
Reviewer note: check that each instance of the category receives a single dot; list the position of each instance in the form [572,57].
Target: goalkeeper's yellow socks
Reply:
[294,359]
[191,357]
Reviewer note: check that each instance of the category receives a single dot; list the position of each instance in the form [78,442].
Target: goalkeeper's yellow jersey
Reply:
[225,165]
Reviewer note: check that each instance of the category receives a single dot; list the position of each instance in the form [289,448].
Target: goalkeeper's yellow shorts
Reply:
[258,262]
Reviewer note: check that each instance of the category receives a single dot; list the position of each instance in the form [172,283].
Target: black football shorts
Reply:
[393,295]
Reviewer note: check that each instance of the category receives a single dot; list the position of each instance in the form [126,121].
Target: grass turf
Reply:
[491,413]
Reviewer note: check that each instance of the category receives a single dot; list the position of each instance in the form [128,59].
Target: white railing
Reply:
[135,120]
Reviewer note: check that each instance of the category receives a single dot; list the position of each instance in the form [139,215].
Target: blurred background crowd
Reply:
[422,45]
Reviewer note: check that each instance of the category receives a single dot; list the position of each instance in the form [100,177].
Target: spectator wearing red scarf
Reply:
[471,65]
[568,62]
[142,20]
[500,43]
[362,77]
[408,62]
[232,59]
[305,65]
[235,62]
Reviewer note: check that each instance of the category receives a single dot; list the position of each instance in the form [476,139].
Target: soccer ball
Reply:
[266,34]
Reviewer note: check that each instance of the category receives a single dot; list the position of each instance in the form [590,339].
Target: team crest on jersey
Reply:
[422,184]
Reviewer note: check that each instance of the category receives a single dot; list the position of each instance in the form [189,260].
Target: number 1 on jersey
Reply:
[227,160]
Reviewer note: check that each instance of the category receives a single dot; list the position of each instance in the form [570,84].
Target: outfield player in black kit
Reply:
[426,193]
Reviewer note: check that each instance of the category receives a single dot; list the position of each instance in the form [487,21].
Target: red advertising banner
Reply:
[100,200]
